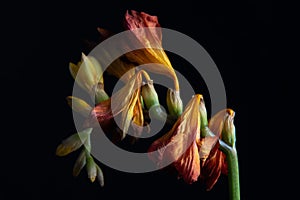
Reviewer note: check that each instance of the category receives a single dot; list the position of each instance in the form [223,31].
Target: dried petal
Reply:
[179,144]
[146,29]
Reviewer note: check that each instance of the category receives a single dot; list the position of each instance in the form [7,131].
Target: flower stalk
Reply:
[233,170]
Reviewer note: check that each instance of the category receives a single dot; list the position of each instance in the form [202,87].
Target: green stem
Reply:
[233,170]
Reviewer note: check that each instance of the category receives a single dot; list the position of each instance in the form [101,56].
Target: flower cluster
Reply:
[194,145]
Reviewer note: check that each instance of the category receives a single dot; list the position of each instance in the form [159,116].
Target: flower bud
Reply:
[91,168]
[80,163]
[149,95]
[228,132]
[73,142]
[203,117]
[100,176]
[87,73]
[79,105]
[174,102]
[100,94]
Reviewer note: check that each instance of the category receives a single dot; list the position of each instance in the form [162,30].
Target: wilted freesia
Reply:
[180,144]
[216,163]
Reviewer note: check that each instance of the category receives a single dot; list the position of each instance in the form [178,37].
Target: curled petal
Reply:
[212,168]
[188,166]
[122,68]
[179,144]
[101,112]
[146,29]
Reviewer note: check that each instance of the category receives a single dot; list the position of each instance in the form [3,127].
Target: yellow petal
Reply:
[122,69]
[74,69]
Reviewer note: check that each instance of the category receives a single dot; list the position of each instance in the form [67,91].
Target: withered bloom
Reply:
[181,143]
[146,29]
[216,163]
[130,106]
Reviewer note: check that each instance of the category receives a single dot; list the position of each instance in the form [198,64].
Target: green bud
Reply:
[100,176]
[228,131]
[91,167]
[87,73]
[100,94]
[203,114]
[73,142]
[79,105]
[80,163]
[174,103]
[149,95]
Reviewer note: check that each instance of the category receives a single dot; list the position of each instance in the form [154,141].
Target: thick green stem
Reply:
[233,170]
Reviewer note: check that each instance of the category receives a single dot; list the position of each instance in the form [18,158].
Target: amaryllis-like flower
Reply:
[182,144]
[127,102]
[222,126]
[147,30]
[191,145]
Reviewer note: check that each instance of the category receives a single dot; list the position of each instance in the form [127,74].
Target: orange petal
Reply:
[179,144]
[188,166]
[145,28]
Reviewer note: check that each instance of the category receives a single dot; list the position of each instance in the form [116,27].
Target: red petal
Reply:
[212,167]
[134,19]
[188,166]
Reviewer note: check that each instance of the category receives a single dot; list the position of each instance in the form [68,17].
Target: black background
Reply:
[42,38]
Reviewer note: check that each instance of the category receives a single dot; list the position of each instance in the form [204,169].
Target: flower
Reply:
[181,143]
[147,30]
[191,146]
[130,107]
[221,125]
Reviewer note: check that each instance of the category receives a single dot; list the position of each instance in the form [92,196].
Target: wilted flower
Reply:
[130,107]
[146,29]
[192,145]
[180,144]
[222,126]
